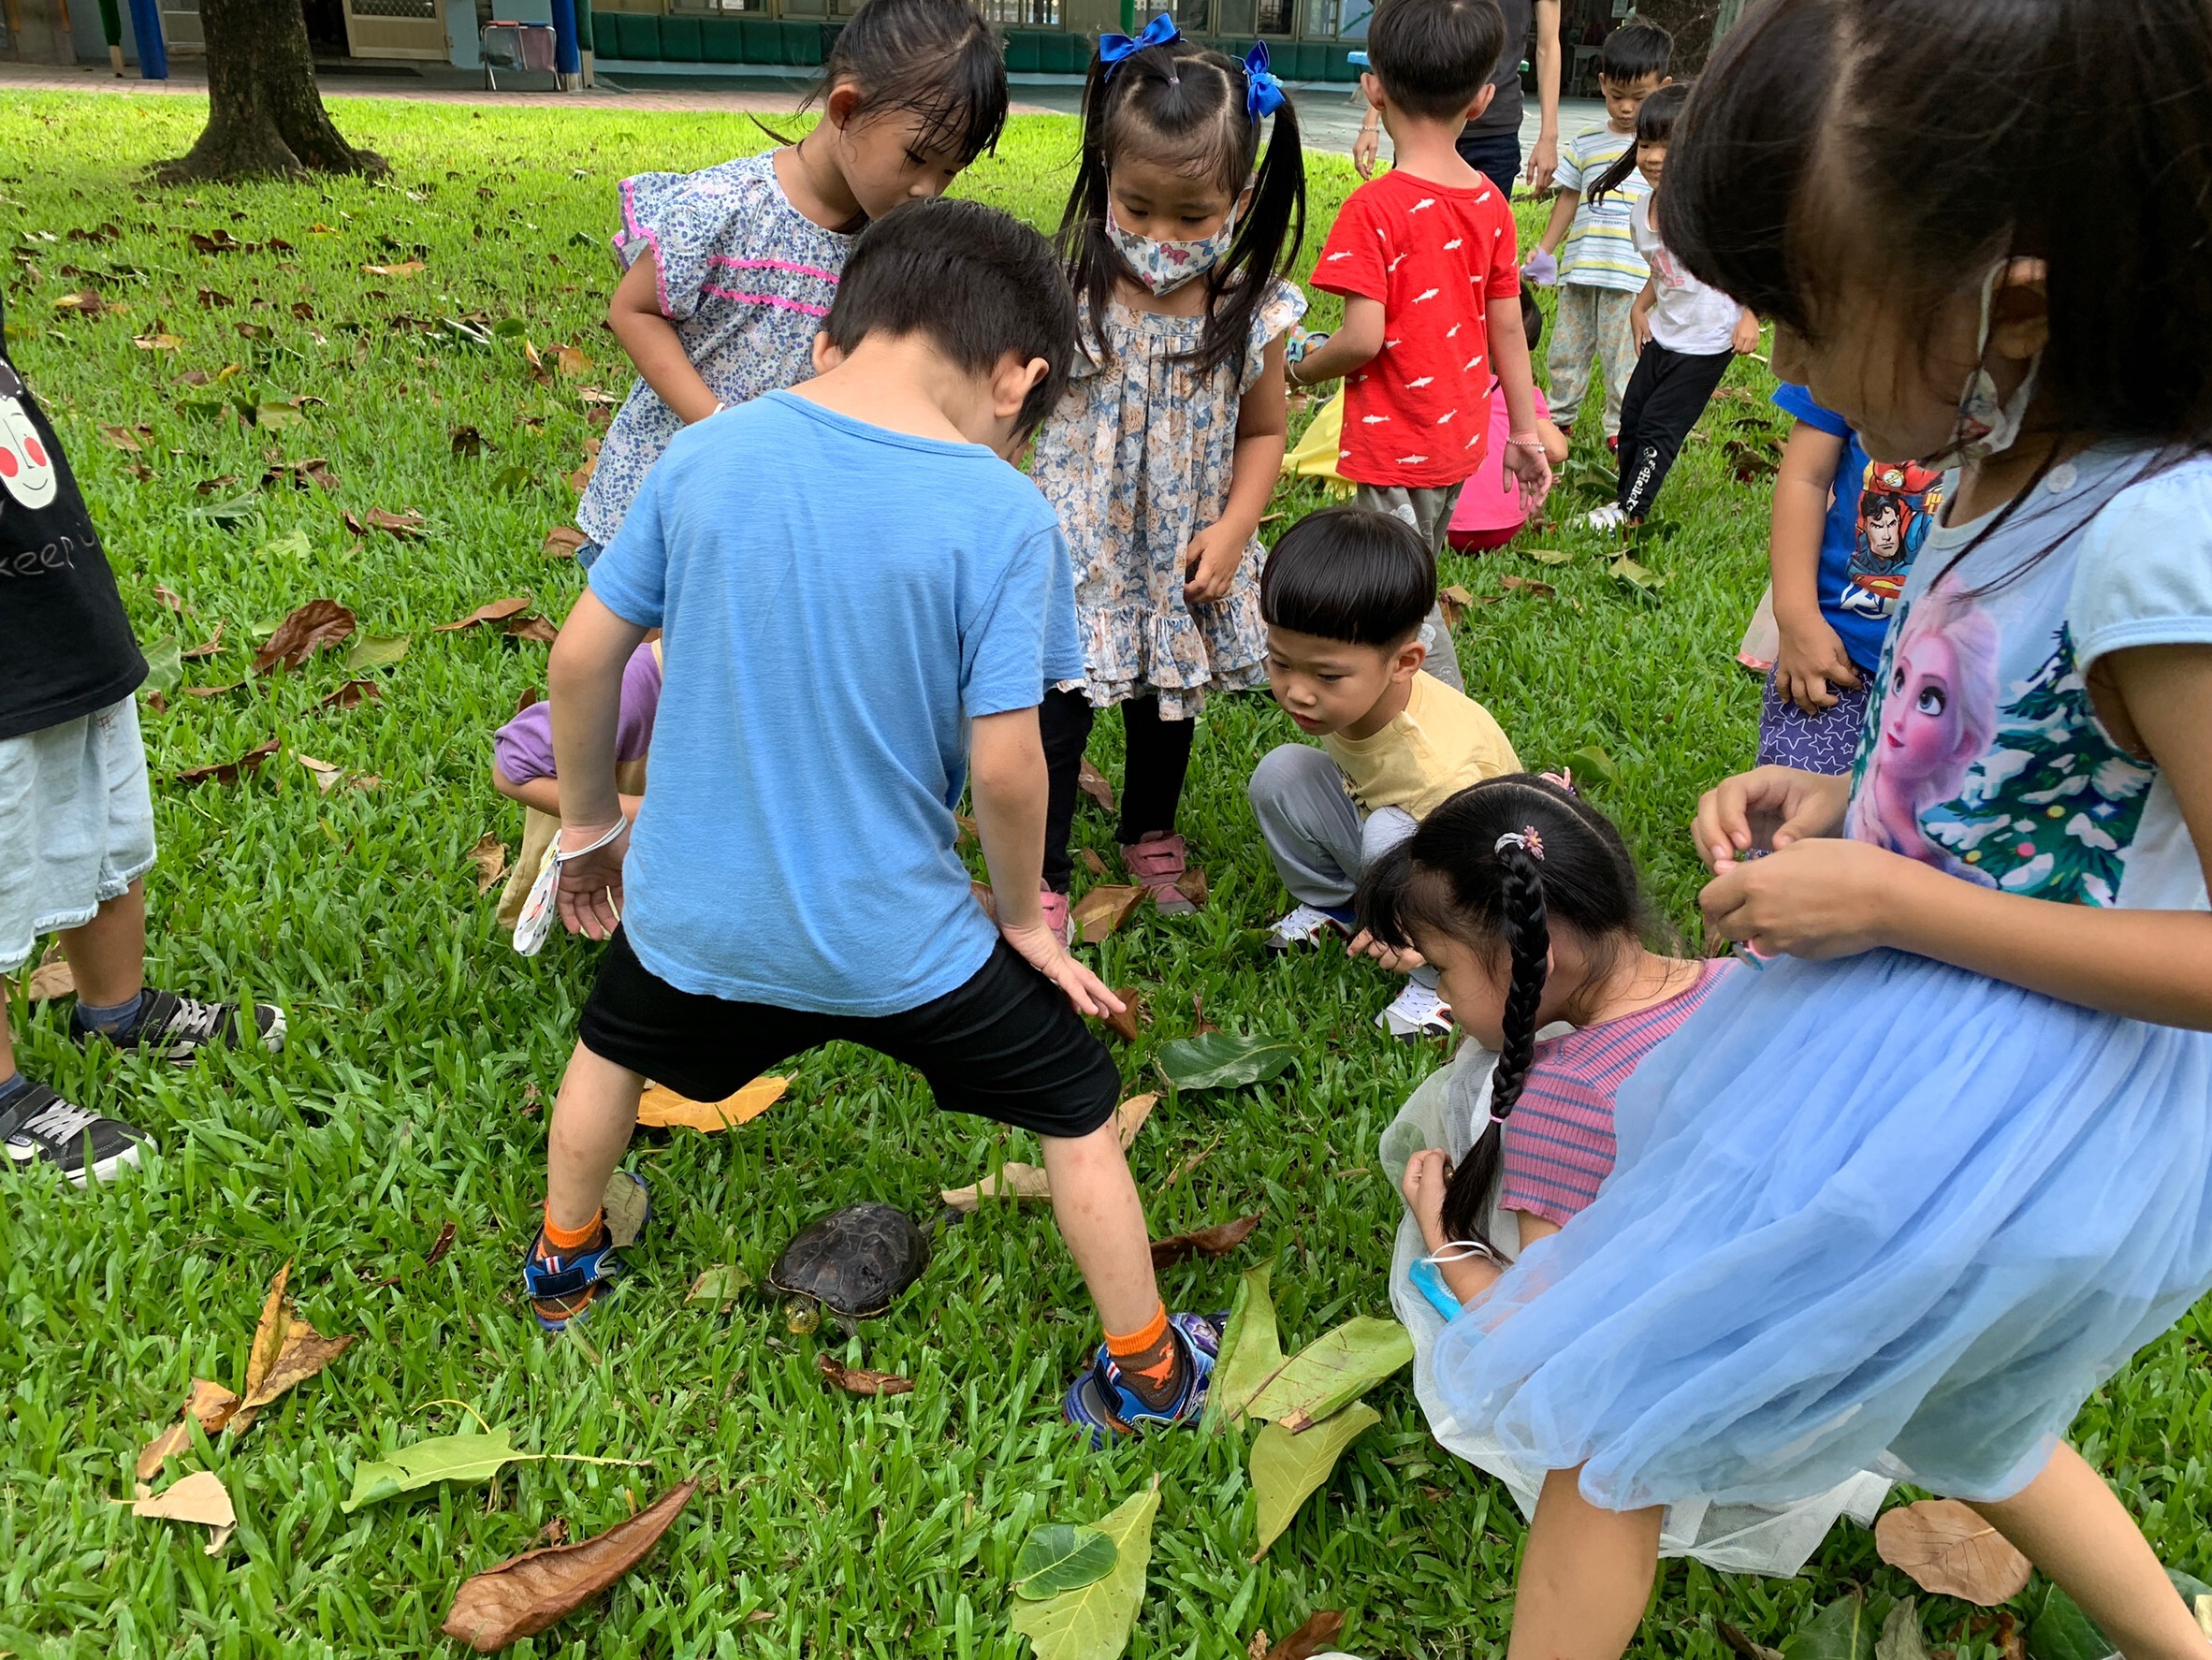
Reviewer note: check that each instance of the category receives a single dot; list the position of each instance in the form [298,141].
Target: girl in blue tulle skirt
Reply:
[1902,1198]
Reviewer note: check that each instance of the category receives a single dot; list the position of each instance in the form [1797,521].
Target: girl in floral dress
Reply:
[1160,458]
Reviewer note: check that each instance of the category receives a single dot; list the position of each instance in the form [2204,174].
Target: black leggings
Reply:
[1152,779]
[1665,395]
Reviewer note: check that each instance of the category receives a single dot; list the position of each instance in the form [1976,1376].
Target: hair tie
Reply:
[1112,48]
[1263,92]
[1527,840]
[1563,777]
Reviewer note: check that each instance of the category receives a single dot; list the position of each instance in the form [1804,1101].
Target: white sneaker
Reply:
[1303,924]
[1608,518]
[1416,1011]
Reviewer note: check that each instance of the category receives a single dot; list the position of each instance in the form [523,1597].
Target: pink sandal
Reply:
[1054,907]
[1157,862]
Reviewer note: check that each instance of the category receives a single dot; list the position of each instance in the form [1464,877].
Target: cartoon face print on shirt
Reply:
[27,470]
[1897,503]
[1934,715]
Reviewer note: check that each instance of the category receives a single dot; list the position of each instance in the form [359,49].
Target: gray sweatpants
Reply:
[1428,511]
[1320,841]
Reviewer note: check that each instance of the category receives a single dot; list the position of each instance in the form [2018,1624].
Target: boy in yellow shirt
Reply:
[1344,594]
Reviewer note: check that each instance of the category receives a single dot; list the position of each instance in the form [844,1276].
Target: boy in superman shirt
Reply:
[1424,257]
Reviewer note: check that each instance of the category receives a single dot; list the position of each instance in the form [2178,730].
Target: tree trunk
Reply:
[265,114]
[1691,23]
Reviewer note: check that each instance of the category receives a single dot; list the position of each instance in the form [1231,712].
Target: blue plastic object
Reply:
[153,53]
[1357,57]
[1428,1279]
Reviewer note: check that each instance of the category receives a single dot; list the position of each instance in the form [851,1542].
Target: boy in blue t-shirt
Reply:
[792,878]
[1845,532]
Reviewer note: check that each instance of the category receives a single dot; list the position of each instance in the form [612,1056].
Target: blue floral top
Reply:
[746,277]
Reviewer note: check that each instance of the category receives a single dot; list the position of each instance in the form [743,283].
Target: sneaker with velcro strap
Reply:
[39,1126]
[1309,924]
[1416,1013]
[172,1028]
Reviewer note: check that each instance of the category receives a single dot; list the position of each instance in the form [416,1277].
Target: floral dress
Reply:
[1136,461]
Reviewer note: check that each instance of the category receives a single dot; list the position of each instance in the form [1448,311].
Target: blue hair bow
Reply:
[1263,92]
[1114,47]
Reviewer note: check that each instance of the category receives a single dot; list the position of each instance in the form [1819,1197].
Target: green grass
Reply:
[423,1049]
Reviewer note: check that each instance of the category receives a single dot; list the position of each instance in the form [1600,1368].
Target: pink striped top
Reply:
[1559,1137]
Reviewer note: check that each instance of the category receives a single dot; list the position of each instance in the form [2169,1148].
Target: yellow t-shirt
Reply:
[1440,742]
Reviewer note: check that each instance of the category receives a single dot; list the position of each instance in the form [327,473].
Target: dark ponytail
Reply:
[1654,125]
[1189,107]
[1492,867]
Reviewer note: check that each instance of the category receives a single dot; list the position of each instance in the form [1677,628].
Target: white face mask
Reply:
[1164,266]
[1986,426]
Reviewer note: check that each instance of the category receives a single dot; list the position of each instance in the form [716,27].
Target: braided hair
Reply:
[1493,868]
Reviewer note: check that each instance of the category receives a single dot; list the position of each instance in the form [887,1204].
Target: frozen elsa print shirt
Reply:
[746,277]
[1983,754]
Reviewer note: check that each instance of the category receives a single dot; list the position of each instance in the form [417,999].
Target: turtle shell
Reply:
[853,1261]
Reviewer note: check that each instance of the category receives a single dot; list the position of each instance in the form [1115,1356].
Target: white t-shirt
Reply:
[1687,316]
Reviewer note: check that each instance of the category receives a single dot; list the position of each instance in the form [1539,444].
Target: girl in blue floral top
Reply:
[1160,458]
[1903,1199]
[728,272]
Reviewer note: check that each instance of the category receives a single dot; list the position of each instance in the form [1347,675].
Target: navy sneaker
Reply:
[561,1286]
[177,1029]
[1098,1401]
[37,1126]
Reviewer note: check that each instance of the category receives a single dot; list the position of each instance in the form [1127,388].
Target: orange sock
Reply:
[568,1239]
[1147,1358]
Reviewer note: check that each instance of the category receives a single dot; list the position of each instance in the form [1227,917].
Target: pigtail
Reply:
[1528,941]
[1237,288]
[1654,125]
[1614,177]
[1080,242]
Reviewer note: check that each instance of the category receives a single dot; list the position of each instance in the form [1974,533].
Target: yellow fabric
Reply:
[538,830]
[1315,455]
[1440,742]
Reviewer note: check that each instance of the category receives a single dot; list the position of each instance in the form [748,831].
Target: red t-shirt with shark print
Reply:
[1418,414]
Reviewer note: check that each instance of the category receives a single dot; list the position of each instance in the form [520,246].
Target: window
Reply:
[1277,17]
[1193,17]
[1323,19]
[717,7]
[1023,14]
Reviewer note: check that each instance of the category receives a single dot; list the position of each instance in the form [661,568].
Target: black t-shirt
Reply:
[1504,114]
[65,646]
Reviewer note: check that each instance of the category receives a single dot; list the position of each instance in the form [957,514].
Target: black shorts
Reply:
[1006,1045]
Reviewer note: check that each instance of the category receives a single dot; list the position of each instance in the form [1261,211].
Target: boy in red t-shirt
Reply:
[1420,256]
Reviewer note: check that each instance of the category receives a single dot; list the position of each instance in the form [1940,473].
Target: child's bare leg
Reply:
[1102,1219]
[107,955]
[7,1039]
[592,1121]
[1585,1577]
[2074,1527]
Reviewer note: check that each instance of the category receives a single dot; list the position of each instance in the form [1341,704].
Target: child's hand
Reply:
[1399,959]
[1526,462]
[1810,660]
[1211,564]
[1041,949]
[1639,325]
[1366,149]
[1766,810]
[1745,340]
[590,895]
[1541,268]
[1426,1174]
[1819,898]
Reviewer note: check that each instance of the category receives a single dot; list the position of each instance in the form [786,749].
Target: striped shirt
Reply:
[1559,1137]
[1600,248]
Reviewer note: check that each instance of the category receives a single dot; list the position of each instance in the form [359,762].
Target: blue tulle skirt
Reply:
[1872,1214]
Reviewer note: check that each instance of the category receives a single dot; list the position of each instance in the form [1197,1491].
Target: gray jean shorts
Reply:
[76,824]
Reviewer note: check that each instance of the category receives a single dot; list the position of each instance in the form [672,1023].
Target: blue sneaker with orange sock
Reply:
[1110,1397]
[563,1281]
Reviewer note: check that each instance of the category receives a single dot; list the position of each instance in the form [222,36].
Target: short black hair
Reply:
[909,268]
[1532,314]
[1435,56]
[1634,50]
[936,60]
[1352,575]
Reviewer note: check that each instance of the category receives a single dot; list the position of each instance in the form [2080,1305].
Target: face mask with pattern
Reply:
[1987,425]
[1164,266]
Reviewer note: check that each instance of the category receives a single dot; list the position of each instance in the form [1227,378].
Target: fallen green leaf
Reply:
[278,414]
[1092,1622]
[292,544]
[719,1285]
[1846,1629]
[1057,1557]
[1286,1468]
[1335,1369]
[376,651]
[1551,556]
[473,1456]
[1900,1637]
[1598,762]
[1223,1060]
[1636,576]
[1251,1353]
[2064,1631]
[164,664]
[234,511]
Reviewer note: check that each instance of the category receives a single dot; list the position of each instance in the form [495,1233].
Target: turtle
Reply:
[852,1264]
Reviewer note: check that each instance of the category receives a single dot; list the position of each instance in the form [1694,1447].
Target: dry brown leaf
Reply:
[166,1444]
[1192,885]
[1217,1241]
[1454,602]
[1317,1633]
[122,437]
[1092,782]
[158,342]
[489,856]
[492,611]
[662,1108]
[199,1497]
[320,625]
[348,695]
[562,541]
[964,830]
[171,598]
[1104,909]
[85,302]
[51,979]
[1529,584]
[856,1380]
[406,268]
[304,1352]
[1128,1118]
[402,525]
[442,1243]
[1092,862]
[468,440]
[532,628]
[523,1596]
[984,897]
[1946,1547]
[571,362]
[1016,1181]
[325,775]
[1257,1648]
[213,690]
[1125,1025]
[207,647]
[211,1404]
[223,772]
